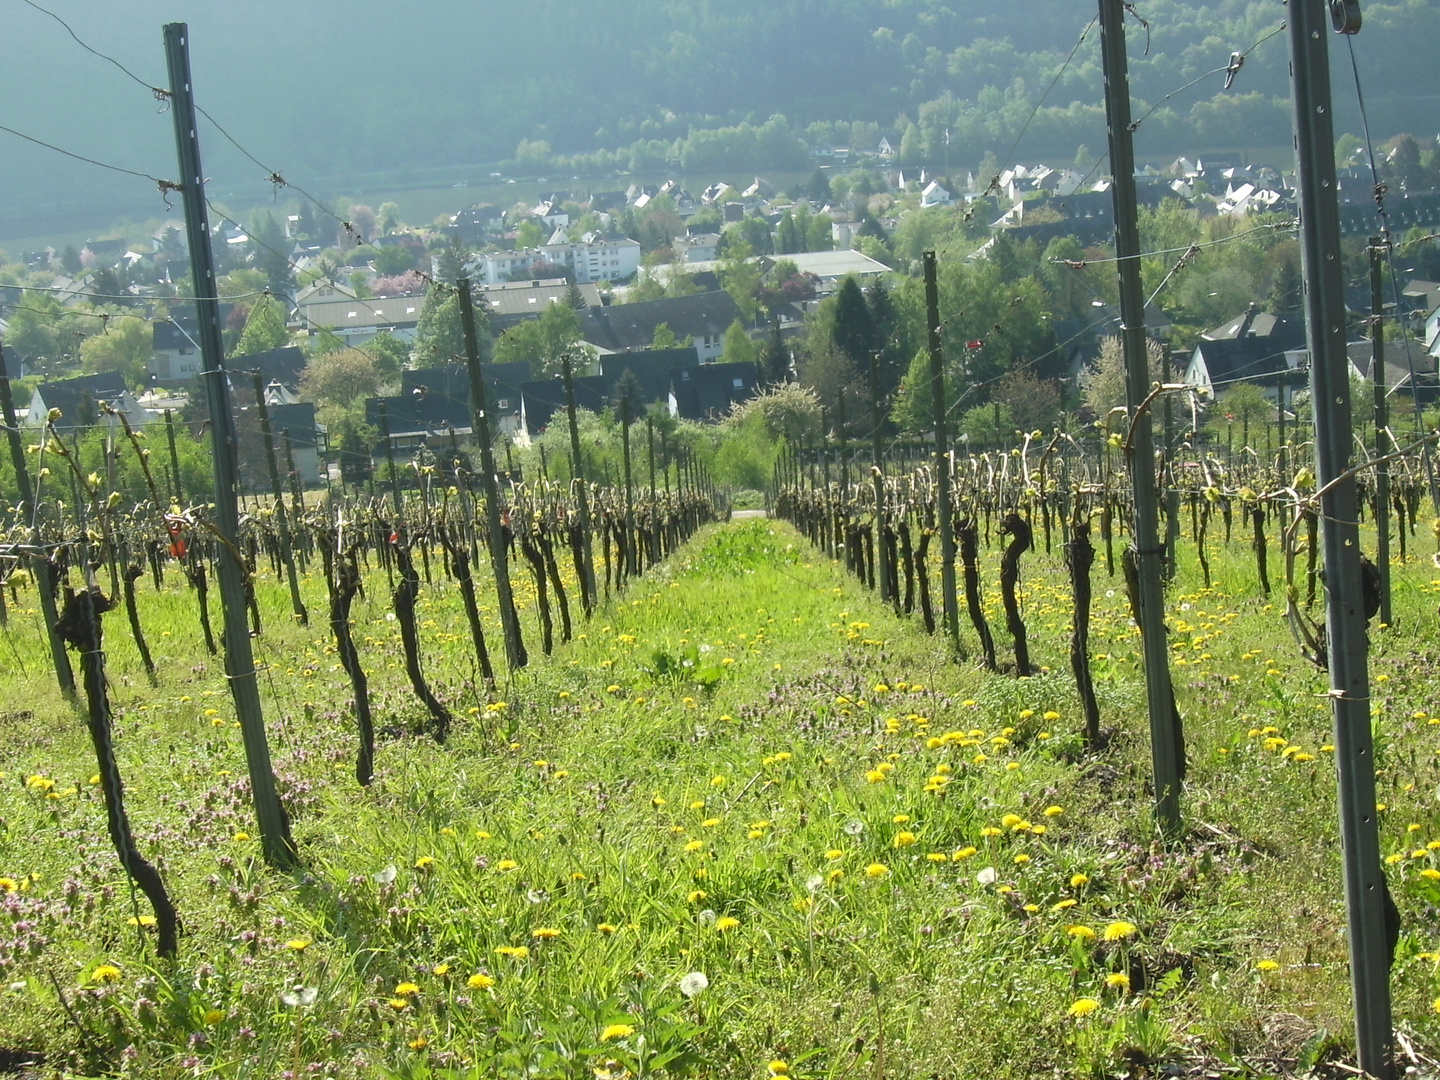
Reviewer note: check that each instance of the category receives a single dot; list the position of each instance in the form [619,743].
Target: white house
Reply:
[601,260]
[694,249]
[552,214]
[935,195]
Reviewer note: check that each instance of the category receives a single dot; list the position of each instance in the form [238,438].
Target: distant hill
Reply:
[324,92]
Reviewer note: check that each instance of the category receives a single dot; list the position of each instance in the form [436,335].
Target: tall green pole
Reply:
[273,822]
[1366,893]
[1164,741]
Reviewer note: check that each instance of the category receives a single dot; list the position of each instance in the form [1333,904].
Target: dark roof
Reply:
[438,398]
[631,327]
[167,334]
[14,366]
[297,421]
[449,385]
[1400,356]
[706,391]
[284,366]
[1424,294]
[652,367]
[543,398]
[1250,359]
[1280,331]
[70,396]
[408,414]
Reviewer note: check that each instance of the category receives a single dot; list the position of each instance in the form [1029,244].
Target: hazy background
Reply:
[384,94]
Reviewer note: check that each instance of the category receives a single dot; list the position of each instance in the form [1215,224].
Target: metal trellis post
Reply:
[1347,647]
[274,824]
[1164,748]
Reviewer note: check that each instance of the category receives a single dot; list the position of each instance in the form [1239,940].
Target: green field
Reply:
[748,824]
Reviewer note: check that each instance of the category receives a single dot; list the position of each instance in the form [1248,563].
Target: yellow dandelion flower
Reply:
[1083,1007]
[1080,933]
[726,922]
[480,981]
[1119,930]
[963,853]
[298,944]
[105,973]
[406,989]
[546,933]
[617,1031]
[1267,965]
[904,839]
[214,1016]
[1079,881]
[877,870]
[1118,980]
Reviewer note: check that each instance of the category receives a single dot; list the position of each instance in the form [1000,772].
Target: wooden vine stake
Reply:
[79,626]
[515,655]
[39,565]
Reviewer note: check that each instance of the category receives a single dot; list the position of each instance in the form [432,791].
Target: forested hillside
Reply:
[327,93]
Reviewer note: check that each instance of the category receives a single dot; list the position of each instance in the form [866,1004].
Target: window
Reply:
[739,384]
[504,403]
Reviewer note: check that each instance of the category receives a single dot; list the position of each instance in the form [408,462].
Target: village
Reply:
[682,289]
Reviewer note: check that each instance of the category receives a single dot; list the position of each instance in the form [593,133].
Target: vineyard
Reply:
[747,806]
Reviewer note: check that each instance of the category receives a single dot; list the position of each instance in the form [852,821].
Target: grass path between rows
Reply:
[748,824]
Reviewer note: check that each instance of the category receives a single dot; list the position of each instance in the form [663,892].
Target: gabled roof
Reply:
[631,327]
[1423,294]
[520,300]
[544,398]
[653,368]
[1281,331]
[706,391]
[284,366]
[180,331]
[77,397]
[375,311]
[1400,356]
[1249,359]
[439,397]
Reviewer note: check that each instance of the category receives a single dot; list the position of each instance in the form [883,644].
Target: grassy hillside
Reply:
[843,856]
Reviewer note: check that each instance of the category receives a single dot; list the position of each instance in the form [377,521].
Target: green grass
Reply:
[745,735]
